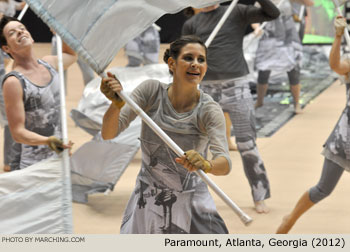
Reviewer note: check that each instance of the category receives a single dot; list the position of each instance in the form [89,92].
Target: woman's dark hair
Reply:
[3,22]
[177,45]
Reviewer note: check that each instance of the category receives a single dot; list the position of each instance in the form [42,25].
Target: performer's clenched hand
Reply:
[193,161]
[110,86]
[57,145]
[339,25]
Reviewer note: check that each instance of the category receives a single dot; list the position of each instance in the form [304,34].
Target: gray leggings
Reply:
[293,76]
[330,176]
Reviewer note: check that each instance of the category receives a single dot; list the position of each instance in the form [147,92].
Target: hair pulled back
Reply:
[175,47]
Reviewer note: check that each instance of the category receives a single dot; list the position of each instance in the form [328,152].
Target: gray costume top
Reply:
[279,48]
[225,54]
[337,147]
[167,198]
[42,114]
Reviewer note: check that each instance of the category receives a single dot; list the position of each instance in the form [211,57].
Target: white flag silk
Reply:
[97,30]
[35,200]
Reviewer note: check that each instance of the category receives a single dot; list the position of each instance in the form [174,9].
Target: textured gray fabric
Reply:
[337,146]
[42,114]
[167,198]
[279,48]
[235,97]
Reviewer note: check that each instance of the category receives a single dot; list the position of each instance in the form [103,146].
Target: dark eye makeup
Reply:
[187,57]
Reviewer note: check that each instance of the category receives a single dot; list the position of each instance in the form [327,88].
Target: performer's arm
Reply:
[13,97]
[269,9]
[68,57]
[257,29]
[337,65]
[110,122]
[267,12]
[220,166]
[110,86]
[13,93]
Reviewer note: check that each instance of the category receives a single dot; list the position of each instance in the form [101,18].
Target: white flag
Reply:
[97,30]
[36,200]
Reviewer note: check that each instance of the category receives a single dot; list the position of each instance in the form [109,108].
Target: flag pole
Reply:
[220,23]
[65,153]
[23,11]
[301,12]
[243,216]
[300,17]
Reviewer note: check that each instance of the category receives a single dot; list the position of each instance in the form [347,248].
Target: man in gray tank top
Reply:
[31,94]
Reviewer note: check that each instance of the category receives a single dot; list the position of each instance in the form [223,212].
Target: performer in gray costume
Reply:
[227,83]
[280,49]
[169,197]
[337,147]
[8,8]
[30,94]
